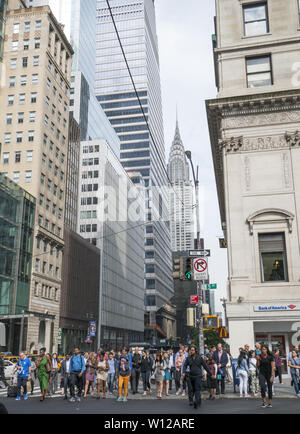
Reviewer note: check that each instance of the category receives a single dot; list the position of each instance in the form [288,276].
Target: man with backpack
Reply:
[23,368]
[76,371]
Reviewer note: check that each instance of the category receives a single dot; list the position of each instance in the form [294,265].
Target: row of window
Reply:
[14,64]
[27,27]
[46,203]
[89,187]
[50,182]
[90,149]
[45,291]
[90,175]
[90,162]
[88,228]
[87,215]
[43,268]
[89,201]
[48,247]
[16,176]
[18,154]
[19,137]
[51,147]
[20,118]
[46,224]
[26,44]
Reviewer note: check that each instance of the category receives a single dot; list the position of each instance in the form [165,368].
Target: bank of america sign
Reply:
[276,307]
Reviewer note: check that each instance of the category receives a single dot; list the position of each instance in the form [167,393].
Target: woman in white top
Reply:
[254,373]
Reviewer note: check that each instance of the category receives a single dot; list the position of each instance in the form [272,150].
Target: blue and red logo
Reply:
[292,306]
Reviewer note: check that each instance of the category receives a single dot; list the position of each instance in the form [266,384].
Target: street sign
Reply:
[223,333]
[200,266]
[211,286]
[200,253]
[195,299]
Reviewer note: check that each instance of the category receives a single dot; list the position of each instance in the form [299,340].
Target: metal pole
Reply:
[21,333]
[199,283]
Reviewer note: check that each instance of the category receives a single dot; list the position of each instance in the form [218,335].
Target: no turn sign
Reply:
[200,269]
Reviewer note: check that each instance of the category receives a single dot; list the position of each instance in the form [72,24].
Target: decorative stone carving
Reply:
[261,119]
[293,139]
[270,216]
[233,144]
[264,143]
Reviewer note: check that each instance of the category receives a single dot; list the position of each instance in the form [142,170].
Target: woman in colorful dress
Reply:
[91,368]
[44,367]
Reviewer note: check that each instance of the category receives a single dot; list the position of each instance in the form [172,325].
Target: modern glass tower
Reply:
[79,20]
[181,197]
[140,151]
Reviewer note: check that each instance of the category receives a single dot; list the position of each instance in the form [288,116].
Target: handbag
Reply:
[152,379]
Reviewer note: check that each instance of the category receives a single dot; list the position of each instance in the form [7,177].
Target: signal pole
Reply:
[199,283]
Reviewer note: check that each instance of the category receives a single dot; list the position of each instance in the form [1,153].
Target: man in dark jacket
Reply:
[136,370]
[64,375]
[221,358]
[195,362]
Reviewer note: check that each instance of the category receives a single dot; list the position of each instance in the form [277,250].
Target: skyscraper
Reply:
[140,151]
[181,197]
[79,21]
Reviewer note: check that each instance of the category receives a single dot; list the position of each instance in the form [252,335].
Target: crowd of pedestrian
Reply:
[113,373]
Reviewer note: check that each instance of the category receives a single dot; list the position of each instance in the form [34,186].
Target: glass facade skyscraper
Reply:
[140,151]
[79,20]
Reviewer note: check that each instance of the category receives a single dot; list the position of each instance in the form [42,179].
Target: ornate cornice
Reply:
[233,144]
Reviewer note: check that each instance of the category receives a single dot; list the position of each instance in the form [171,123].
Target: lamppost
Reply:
[224,301]
[199,282]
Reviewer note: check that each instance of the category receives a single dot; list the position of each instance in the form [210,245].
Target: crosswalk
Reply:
[36,394]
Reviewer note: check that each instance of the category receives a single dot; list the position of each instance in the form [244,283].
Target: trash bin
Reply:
[236,380]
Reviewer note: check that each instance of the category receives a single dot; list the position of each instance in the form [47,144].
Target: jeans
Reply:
[173,377]
[243,376]
[76,381]
[135,374]
[22,382]
[146,382]
[262,382]
[296,381]
[110,382]
[66,384]
[222,381]
[52,388]
[279,372]
[196,388]
[189,387]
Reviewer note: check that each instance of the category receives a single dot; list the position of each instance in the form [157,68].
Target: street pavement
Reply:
[139,407]
[284,402]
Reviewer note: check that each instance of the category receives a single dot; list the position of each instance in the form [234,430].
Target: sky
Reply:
[184,31]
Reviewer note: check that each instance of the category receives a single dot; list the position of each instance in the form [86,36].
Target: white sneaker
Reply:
[183,394]
[177,393]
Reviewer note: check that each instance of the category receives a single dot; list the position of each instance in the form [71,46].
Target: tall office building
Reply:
[180,197]
[111,217]
[3,6]
[34,135]
[135,21]
[78,18]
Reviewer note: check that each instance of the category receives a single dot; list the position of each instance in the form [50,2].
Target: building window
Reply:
[256,19]
[16,28]
[12,81]
[8,118]
[25,62]
[273,258]
[19,137]
[10,100]
[28,176]
[29,156]
[37,43]
[259,71]
[33,98]
[13,63]
[35,79]
[27,27]
[26,44]
[7,138]
[36,60]
[16,177]
[23,80]
[22,98]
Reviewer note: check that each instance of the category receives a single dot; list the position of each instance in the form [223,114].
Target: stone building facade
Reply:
[34,132]
[254,124]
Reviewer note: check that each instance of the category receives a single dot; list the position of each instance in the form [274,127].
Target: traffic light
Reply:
[188,272]
[177,269]
[223,243]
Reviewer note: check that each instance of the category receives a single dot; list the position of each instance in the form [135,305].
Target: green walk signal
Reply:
[189,275]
